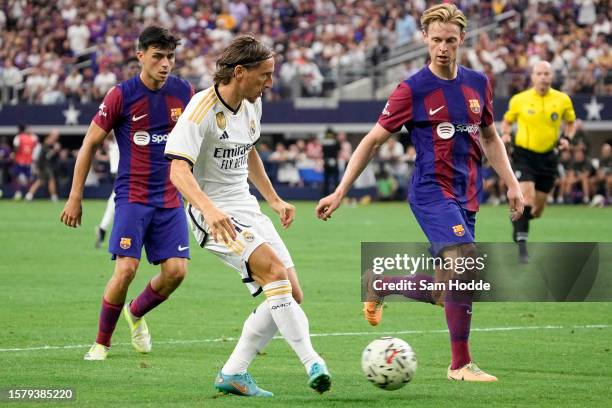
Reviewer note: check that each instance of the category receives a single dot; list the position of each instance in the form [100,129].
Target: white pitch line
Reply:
[226,339]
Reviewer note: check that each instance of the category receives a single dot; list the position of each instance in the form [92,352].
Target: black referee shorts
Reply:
[541,168]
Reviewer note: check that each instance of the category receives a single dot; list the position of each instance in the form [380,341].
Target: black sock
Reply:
[521,226]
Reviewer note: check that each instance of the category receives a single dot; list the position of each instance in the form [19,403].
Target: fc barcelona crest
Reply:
[125,243]
[474,105]
[175,113]
[221,122]
[458,230]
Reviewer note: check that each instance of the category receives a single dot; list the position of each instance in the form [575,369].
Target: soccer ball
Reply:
[389,363]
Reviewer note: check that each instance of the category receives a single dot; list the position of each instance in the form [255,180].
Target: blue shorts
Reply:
[445,224]
[162,231]
[24,169]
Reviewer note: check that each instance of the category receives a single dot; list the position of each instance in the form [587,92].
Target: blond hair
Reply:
[443,13]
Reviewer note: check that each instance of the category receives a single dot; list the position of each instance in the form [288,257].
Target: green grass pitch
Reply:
[545,354]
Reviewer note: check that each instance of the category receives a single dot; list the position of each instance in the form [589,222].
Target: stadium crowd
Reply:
[54,51]
[76,50]
[311,162]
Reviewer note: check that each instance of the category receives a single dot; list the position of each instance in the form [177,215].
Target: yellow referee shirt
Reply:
[539,118]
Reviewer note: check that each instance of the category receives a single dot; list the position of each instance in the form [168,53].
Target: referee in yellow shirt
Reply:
[539,113]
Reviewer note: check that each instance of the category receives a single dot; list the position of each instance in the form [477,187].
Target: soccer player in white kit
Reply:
[212,152]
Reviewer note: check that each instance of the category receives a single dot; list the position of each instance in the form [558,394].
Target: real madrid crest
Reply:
[253,127]
[221,123]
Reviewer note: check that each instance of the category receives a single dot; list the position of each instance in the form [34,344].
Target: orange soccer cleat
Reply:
[470,372]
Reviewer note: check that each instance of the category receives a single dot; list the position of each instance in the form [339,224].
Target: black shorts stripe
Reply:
[195,222]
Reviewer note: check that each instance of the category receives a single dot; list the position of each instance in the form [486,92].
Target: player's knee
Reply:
[175,275]
[276,272]
[125,274]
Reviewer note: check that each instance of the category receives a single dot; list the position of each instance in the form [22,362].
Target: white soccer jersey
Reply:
[216,141]
[113,155]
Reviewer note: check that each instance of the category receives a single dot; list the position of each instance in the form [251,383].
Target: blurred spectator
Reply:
[46,166]
[72,84]
[78,35]
[331,151]
[12,80]
[564,166]
[104,81]
[578,177]
[601,181]
[393,160]
[386,186]
[5,163]
[24,145]
[287,171]
[346,150]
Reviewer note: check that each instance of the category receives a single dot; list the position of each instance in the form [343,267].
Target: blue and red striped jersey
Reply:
[443,118]
[142,120]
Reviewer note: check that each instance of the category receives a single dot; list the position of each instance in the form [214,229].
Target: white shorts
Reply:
[253,228]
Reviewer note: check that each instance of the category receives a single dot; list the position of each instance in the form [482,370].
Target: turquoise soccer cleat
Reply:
[240,384]
[319,378]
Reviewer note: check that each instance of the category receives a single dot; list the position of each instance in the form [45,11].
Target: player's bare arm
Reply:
[496,154]
[359,160]
[506,130]
[220,224]
[258,176]
[72,212]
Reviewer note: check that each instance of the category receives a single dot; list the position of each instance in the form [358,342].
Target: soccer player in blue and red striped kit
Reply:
[448,111]
[149,210]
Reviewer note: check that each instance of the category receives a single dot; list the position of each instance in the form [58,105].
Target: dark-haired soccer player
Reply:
[149,212]
[448,110]
[213,155]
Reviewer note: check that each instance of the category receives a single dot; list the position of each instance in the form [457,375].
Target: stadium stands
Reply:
[318,42]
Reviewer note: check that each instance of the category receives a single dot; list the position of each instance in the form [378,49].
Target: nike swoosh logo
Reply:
[433,112]
[182,248]
[137,118]
[242,388]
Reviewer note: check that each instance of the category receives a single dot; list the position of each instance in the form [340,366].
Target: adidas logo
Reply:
[224,136]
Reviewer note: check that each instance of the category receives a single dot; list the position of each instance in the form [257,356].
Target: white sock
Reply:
[258,330]
[109,213]
[291,321]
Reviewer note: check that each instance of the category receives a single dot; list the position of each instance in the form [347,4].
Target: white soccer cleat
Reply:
[141,338]
[97,352]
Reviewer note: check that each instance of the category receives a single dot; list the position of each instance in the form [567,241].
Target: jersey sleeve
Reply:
[569,115]
[398,110]
[109,110]
[513,110]
[487,112]
[186,138]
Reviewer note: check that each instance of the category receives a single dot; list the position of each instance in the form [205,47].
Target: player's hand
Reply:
[220,225]
[516,202]
[327,205]
[285,211]
[506,138]
[72,212]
